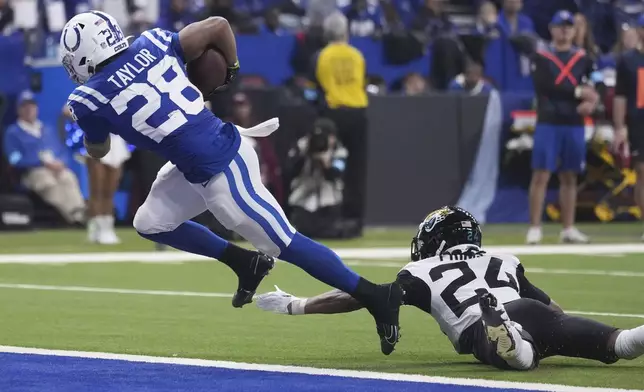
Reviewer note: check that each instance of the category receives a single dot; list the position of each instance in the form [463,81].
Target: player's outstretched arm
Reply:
[332,302]
[214,32]
[528,290]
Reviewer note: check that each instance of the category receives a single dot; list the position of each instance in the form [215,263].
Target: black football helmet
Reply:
[442,229]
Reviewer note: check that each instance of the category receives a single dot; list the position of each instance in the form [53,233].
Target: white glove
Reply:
[275,301]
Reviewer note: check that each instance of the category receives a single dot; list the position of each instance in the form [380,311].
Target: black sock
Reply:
[237,258]
[365,292]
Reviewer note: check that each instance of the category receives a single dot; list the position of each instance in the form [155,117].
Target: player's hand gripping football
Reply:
[231,75]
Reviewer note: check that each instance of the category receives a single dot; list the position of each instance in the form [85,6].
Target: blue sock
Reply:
[320,262]
[192,237]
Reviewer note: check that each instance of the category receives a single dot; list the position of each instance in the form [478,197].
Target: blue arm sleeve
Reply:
[95,128]
[175,44]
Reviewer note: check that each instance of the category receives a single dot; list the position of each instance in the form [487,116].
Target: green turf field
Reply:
[182,323]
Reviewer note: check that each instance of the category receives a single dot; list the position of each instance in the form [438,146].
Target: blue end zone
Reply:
[26,373]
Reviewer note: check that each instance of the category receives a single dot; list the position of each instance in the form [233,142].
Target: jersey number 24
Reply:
[491,278]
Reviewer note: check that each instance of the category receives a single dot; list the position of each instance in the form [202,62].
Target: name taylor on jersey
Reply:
[128,71]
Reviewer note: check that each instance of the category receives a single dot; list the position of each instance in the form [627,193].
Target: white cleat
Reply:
[108,237]
[534,236]
[572,235]
[106,234]
[275,301]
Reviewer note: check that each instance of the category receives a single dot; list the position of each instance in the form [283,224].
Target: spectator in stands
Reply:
[6,17]
[177,16]
[36,151]
[584,37]
[414,84]
[240,21]
[487,20]
[629,10]
[628,111]
[400,46]
[627,40]
[392,22]
[364,18]
[272,22]
[512,21]
[317,11]
[130,14]
[471,81]
[341,73]
[431,22]
[432,25]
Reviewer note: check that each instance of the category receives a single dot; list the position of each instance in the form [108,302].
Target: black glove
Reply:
[231,75]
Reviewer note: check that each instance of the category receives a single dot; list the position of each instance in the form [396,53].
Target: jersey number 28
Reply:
[491,278]
[174,88]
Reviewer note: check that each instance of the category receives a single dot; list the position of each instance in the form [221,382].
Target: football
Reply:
[208,71]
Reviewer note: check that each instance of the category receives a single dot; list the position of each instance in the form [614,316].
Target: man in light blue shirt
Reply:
[38,155]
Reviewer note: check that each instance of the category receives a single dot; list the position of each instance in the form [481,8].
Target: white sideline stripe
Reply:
[110,290]
[625,315]
[345,253]
[310,370]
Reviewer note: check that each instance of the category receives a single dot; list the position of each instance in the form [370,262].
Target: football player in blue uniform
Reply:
[140,91]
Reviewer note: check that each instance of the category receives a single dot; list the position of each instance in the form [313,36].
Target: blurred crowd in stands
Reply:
[453,35]
[456,30]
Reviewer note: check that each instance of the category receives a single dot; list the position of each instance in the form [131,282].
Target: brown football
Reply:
[208,71]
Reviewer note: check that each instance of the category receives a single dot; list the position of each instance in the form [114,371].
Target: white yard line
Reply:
[84,289]
[311,371]
[345,253]
[109,290]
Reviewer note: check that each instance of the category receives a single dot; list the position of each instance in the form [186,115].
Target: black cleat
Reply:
[385,309]
[497,326]
[250,278]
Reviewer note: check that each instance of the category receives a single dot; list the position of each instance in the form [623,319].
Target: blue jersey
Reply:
[145,97]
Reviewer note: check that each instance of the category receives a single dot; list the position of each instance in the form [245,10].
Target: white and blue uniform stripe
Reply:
[236,197]
[270,217]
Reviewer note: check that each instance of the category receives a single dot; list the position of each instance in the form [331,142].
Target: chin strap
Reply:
[439,251]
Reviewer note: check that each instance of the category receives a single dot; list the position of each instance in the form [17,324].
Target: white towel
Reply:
[260,130]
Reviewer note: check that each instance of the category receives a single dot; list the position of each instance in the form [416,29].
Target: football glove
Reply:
[231,75]
[275,301]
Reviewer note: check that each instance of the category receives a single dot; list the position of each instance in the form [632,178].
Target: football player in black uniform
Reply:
[483,302]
